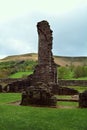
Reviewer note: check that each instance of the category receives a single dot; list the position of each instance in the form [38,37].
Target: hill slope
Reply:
[60,60]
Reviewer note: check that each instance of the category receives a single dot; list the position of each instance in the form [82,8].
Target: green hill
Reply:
[60,60]
[23,65]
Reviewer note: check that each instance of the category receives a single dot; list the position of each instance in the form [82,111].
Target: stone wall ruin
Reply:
[83,99]
[46,70]
[45,73]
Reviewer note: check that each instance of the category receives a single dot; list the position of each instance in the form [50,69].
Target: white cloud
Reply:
[18,46]
[10,9]
[14,46]
[58,7]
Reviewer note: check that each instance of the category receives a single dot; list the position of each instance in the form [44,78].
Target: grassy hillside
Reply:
[60,60]
[20,74]
[68,61]
[21,65]
[24,57]
[16,69]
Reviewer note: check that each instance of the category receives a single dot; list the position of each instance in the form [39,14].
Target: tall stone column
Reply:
[45,73]
[46,70]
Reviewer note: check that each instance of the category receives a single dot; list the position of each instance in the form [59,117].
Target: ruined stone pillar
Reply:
[46,70]
[45,73]
[44,43]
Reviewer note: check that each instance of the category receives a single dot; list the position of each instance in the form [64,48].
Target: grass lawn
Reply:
[20,74]
[81,78]
[63,96]
[9,97]
[14,117]
[69,104]
[66,103]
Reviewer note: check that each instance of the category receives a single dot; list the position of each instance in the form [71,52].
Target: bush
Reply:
[65,73]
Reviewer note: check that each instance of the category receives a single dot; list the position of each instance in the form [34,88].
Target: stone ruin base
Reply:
[0,88]
[38,95]
[58,90]
[83,99]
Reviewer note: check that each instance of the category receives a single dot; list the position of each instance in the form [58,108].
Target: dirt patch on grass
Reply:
[66,107]
[17,103]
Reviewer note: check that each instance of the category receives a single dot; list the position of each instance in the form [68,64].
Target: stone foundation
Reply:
[40,95]
[0,88]
[72,82]
[83,99]
[46,70]
[17,86]
[58,90]
[39,92]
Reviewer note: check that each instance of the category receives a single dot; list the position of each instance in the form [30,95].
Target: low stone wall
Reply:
[56,89]
[7,80]
[83,99]
[61,82]
[0,88]
[17,85]
[72,82]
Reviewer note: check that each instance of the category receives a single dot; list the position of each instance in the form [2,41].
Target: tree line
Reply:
[67,72]
[71,72]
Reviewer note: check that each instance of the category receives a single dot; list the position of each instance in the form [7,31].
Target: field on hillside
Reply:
[60,60]
[20,74]
[18,66]
[17,117]
[67,115]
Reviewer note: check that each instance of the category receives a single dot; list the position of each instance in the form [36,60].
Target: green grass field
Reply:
[68,104]
[20,74]
[13,117]
[26,73]
[9,97]
[81,78]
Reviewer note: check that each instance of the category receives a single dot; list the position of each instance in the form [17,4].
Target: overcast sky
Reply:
[67,18]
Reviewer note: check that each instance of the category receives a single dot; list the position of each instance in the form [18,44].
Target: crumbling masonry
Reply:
[45,73]
[46,70]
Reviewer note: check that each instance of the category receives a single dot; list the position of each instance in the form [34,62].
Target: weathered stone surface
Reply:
[60,82]
[57,90]
[67,91]
[72,82]
[43,82]
[17,86]
[0,88]
[21,84]
[41,94]
[46,70]
[83,99]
